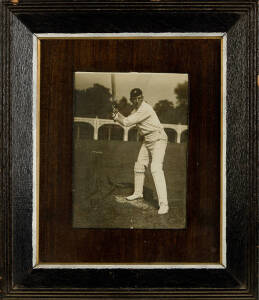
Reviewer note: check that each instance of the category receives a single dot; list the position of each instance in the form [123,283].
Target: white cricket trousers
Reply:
[154,151]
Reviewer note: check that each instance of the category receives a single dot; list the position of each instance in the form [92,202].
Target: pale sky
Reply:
[155,86]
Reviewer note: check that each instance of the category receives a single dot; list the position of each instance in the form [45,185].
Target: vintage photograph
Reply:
[130,141]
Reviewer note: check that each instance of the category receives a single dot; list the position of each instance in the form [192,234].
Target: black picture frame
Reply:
[20,21]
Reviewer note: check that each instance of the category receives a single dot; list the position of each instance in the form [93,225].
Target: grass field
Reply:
[102,177]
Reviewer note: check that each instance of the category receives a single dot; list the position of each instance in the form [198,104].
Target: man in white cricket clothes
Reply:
[154,146]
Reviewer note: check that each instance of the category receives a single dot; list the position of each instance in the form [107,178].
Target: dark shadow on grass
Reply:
[149,197]
[147,192]
[104,186]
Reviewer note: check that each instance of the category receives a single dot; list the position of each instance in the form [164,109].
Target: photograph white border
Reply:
[35,87]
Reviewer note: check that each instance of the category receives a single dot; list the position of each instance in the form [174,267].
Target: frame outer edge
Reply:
[6,151]
[252,255]
[257,181]
[20,6]
[254,149]
[2,242]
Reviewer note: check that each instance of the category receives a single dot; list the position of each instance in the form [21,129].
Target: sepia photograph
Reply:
[130,142]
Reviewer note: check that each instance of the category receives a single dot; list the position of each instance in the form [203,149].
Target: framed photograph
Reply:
[129,137]
[111,157]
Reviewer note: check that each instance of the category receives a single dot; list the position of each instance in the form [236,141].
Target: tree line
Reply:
[96,101]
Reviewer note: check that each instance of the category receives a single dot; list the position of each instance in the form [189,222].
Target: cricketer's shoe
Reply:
[163,210]
[134,197]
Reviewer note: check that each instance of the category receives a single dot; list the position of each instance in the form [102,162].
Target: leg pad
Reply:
[156,168]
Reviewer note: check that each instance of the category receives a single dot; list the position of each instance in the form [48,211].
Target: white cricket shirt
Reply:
[146,120]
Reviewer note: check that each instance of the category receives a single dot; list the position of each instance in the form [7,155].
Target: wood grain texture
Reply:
[21,142]
[234,282]
[238,185]
[170,22]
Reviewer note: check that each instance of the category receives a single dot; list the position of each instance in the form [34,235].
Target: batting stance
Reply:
[153,146]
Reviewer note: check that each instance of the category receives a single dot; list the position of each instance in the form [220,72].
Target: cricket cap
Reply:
[135,93]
